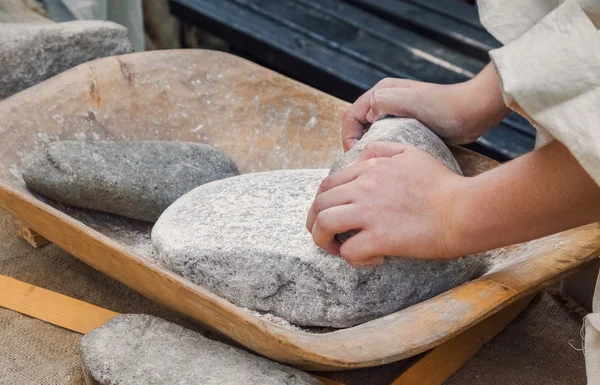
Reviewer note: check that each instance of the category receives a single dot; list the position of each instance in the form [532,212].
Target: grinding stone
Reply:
[398,130]
[145,350]
[32,53]
[134,179]
[244,238]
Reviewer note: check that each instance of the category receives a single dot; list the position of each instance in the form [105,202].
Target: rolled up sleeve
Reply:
[551,75]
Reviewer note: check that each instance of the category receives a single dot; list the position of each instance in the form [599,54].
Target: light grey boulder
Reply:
[244,239]
[397,130]
[31,53]
[145,350]
[134,179]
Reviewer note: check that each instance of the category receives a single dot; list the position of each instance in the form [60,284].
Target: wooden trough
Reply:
[264,121]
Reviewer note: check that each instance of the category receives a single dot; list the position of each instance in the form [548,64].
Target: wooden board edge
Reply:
[440,363]
[54,308]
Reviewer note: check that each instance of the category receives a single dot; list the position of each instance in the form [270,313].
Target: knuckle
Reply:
[386,81]
[318,204]
[326,184]
[321,222]
[367,185]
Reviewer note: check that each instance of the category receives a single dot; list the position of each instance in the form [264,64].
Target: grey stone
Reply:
[397,130]
[244,238]
[145,350]
[134,179]
[400,130]
[31,53]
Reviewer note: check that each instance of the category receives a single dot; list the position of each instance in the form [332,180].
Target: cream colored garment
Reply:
[550,73]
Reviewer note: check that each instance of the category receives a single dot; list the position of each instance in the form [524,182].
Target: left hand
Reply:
[400,198]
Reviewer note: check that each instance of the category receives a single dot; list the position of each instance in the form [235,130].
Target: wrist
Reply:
[454,232]
[483,99]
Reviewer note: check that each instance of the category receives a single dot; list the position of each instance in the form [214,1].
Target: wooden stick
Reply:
[33,238]
[54,308]
[442,362]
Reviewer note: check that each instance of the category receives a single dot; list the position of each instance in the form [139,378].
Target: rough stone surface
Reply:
[32,53]
[400,130]
[134,179]
[244,238]
[145,350]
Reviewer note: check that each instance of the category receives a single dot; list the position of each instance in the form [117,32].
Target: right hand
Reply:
[458,113]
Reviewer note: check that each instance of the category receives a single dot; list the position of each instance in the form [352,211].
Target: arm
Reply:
[538,194]
[404,202]
[459,113]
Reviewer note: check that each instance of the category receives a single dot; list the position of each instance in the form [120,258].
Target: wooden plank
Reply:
[51,307]
[442,362]
[33,238]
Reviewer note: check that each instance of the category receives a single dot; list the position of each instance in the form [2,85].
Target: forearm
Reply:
[538,194]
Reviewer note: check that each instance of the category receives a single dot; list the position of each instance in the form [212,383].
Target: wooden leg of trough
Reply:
[436,366]
[33,238]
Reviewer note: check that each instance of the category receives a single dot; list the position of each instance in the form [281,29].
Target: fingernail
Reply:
[370,116]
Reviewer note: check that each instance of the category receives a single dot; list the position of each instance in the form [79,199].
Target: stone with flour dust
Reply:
[144,350]
[244,238]
[32,53]
[400,130]
[134,179]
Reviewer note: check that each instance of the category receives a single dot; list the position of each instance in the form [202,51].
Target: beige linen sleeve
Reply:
[551,75]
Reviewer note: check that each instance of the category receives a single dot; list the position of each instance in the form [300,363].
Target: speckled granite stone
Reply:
[134,179]
[32,53]
[145,350]
[244,238]
[400,130]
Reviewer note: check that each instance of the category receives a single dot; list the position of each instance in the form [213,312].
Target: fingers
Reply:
[333,221]
[382,150]
[339,196]
[354,120]
[361,250]
[392,101]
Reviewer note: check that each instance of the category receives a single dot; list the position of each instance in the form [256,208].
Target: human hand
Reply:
[400,198]
[459,113]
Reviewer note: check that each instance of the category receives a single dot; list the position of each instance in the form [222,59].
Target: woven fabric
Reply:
[542,346]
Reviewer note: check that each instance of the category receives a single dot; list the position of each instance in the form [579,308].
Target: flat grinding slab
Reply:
[145,350]
[134,179]
[244,238]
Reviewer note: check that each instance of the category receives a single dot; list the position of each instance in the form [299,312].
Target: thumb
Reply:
[391,101]
[382,150]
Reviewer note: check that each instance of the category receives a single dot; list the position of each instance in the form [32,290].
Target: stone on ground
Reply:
[134,179]
[145,350]
[244,239]
[31,53]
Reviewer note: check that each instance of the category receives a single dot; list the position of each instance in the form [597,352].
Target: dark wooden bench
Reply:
[345,47]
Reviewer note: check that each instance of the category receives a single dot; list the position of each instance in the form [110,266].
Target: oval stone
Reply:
[244,239]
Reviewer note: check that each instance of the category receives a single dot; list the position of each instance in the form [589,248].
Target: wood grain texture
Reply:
[33,238]
[54,308]
[439,364]
[264,121]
